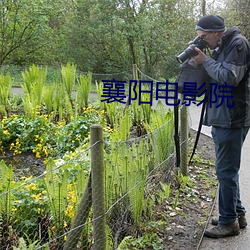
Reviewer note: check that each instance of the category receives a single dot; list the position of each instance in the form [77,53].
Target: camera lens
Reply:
[187,53]
[190,51]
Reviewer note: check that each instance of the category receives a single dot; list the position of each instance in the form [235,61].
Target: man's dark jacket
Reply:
[229,65]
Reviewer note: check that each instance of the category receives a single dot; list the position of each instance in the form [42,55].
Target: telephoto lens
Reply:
[190,50]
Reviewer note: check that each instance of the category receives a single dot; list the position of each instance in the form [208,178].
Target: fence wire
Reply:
[42,209]
[45,210]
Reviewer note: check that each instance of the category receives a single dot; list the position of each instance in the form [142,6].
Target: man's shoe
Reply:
[221,231]
[241,219]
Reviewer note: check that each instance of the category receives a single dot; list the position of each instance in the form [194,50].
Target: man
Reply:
[228,113]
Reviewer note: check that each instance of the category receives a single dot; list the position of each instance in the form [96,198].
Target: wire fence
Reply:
[55,210]
[42,210]
[54,74]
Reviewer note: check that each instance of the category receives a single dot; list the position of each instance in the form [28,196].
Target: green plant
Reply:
[68,74]
[29,244]
[120,122]
[6,184]
[23,134]
[56,187]
[99,90]
[126,172]
[147,241]
[164,191]
[146,107]
[5,90]
[184,181]
[64,183]
[83,91]
[48,98]
[34,81]
[161,126]
[43,137]
[30,208]
[176,199]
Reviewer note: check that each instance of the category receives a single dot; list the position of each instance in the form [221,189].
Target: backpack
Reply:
[193,74]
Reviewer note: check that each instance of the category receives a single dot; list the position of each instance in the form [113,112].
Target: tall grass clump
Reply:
[6,184]
[99,91]
[125,180]
[5,90]
[161,128]
[127,167]
[34,80]
[68,75]
[6,203]
[48,98]
[83,90]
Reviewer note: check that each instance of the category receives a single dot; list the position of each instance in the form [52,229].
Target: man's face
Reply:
[211,38]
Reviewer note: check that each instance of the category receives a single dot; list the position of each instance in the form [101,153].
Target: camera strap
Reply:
[200,121]
[198,131]
[176,134]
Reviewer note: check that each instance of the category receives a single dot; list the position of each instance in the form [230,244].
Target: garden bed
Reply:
[150,205]
[185,226]
[178,222]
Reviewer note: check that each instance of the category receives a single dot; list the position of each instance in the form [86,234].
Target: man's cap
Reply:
[210,23]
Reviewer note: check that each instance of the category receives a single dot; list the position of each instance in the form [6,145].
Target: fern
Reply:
[6,184]
[56,184]
[33,85]
[5,90]
[99,90]
[68,74]
[49,97]
[83,90]
[161,126]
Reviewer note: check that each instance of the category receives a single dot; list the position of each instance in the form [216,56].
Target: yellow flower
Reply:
[14,209]
[73,199]
[6,132]
[16,152]
[69,211]
[12,145]
[37,196]
[31,186]
[45,151]
[38,155]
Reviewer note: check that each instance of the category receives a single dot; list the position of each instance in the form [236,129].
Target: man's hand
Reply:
[200,58]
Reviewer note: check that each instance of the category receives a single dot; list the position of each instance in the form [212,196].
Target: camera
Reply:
[190,51]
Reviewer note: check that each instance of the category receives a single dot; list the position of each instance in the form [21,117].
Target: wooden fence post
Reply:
[80,218]
[184,138]
[98,194]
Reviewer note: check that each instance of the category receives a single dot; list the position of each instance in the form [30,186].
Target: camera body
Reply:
[190,51]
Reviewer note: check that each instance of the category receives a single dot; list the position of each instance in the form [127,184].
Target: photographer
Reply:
[228,65]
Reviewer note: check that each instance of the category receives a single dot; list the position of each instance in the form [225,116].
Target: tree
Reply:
[237,13]
[21,21]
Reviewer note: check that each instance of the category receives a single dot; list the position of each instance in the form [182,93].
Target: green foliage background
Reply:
[104,36]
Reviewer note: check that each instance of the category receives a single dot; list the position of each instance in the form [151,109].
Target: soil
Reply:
[186,223]
[25,164]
